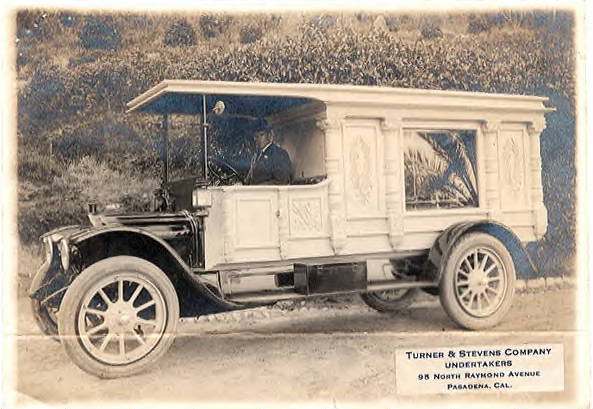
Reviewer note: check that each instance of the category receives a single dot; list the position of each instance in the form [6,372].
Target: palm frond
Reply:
[450,172]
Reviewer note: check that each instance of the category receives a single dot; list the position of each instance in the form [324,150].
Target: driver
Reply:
[270,164]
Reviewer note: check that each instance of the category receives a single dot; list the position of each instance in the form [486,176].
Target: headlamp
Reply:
[201,198]
[64,254]
[48,247]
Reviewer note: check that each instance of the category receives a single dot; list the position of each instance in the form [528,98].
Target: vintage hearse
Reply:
[393,190]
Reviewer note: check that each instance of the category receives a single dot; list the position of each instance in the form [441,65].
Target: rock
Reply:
[553,283]
[284,305]
[536,284]
[569,281]
[520,286]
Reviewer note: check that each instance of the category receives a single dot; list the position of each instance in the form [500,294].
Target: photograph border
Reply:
[584,111]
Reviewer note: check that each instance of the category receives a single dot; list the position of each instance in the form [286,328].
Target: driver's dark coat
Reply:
[270,167]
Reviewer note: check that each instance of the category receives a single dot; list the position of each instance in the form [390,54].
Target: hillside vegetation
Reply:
[76,72]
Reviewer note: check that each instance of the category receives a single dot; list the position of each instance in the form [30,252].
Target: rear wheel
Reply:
[118,317]
[478,282]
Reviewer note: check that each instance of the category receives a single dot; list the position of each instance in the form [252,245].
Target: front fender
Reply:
[126,240]
[95,244]
[80,238]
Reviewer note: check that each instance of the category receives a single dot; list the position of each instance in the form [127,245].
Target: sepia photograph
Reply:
[271,207]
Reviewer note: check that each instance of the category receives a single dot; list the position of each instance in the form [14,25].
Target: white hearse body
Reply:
[355,136]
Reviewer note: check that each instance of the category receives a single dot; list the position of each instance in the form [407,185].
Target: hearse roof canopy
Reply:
[263,99]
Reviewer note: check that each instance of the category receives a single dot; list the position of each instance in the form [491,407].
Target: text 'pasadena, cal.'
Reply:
[510,368]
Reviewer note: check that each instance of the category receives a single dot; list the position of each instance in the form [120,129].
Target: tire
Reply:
[478,281]
[100,316]
[389,300]
[46,320]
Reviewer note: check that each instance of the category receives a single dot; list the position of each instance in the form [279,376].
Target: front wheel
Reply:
[118,317]
[478,281]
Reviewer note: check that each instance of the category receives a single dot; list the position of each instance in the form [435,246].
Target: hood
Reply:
[138,219]
[164,225]
[63,232]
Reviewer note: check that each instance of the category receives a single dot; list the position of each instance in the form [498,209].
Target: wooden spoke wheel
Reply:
[389,300]
[118,317]
[478,281]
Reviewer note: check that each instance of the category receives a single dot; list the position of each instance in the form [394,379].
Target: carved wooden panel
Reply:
[540,214]
[256,220]
[392,173]
[283,222]
[334,168]
[490,130]
[512,169]
[305,216]
[362,169]
[308,211]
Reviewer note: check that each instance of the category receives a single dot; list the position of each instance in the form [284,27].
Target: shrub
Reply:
[180,34]
[68,19]
[212,25]
[82,59]
[43,98]
[392,23]
[52,212]
[431,31]
[323,22]
[477,25]
[93,181]
[250,34]
[364,18]
[100,33]
[484,22]
[65,200]
[559,21]
[37,167]
[28,22]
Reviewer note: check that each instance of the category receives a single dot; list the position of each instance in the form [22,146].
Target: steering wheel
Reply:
[225,173]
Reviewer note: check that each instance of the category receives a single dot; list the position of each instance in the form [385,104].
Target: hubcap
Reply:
[121,319]
[480,282]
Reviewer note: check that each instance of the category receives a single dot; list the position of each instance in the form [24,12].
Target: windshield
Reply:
[230,135]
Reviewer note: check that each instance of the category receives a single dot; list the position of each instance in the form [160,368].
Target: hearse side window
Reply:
[440,169]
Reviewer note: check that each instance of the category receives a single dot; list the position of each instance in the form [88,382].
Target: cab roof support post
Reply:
[205,136]
[165,151]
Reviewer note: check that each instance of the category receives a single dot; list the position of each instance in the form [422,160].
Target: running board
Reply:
[272,296]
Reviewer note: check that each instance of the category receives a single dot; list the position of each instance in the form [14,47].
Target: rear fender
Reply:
[441,248]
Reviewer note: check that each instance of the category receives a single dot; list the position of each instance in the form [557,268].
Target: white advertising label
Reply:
[498,368]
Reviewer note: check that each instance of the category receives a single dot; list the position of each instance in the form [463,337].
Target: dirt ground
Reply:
[319,353]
